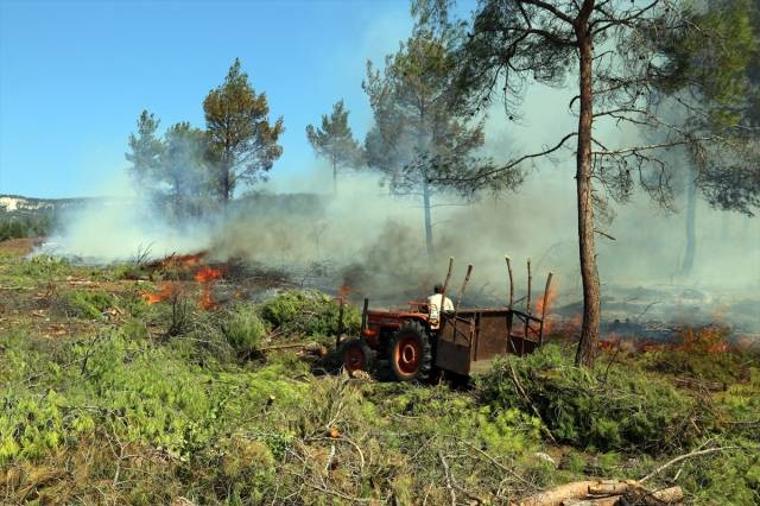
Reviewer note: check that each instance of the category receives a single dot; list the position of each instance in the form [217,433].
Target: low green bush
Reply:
[243,329]
[308,312]
[607,408]
[728,477]
[86,304]
[139,392]
[45,266]
[439,411]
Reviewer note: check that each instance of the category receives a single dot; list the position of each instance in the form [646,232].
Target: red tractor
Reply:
[405,344]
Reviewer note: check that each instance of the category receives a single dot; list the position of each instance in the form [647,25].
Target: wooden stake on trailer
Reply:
[464,286]
[530,278]
[459,299]
[528,328]
[364,314]
[341,311]
[511,282]
[510,315]
[446,282]
[543,307]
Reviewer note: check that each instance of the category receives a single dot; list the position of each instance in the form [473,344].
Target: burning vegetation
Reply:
[207,357]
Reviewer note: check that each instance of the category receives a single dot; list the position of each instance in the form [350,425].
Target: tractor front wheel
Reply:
[356,356]
[411,355]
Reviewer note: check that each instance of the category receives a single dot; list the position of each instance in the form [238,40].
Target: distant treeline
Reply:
[31,225]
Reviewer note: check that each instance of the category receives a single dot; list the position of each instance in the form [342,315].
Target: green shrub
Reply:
[728,477]
[605,408]
[440,411]
[86,304]
[243,329]
[45,266]
[139,392]
[740,404]
[308,312]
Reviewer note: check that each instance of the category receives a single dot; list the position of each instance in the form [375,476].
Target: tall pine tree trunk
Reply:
[226,181]
[589,273]
[691,221]
[428,220]
[335,175]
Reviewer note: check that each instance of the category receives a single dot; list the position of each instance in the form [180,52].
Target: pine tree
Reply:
[242,141]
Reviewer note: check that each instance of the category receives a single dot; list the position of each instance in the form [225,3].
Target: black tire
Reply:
[410,353]
[356,356]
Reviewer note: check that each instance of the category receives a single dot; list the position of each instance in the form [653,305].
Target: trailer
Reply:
[406,344]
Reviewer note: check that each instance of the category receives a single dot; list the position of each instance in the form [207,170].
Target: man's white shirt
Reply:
[434,305]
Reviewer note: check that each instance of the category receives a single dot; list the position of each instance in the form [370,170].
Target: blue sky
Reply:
[75,75]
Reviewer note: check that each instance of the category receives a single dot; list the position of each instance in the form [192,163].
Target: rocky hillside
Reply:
[16,204]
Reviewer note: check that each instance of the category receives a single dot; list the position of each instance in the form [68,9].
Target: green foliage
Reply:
[45,266]
[121,415]
[16,227]
[86,304]
[243,328]
[741,404]
[334,140]
[145,148]
[183,170]
[726,368]
[421,132]
[615,408]
[731,477]
[702,353]
[713,60]
[441,412]
[140,393]
[242,141]
[309,313]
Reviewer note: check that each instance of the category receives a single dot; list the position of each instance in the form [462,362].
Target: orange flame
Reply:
[207,276]
[207,301]
[166,291]
[180,262]
[551,296]
[709,339]
[343,292]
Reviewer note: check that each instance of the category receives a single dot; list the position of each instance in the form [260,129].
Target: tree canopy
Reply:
[242,141]
[145,148]
[334,141]
[614,50]
[422,133]
[184,169]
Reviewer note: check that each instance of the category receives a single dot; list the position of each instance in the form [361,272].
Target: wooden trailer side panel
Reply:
[477,338]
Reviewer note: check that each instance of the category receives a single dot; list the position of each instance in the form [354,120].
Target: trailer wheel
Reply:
[357,356]
[411,356]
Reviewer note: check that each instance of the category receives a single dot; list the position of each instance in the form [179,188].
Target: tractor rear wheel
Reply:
[410,353]
[357,356]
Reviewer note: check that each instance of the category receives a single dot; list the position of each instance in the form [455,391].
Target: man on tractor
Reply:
[436,303]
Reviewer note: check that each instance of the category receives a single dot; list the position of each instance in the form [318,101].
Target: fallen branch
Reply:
[522,392]
[588,492]
[557,495]
[336,493]
[497,463]
[603,493]
[684,457]
[447,474]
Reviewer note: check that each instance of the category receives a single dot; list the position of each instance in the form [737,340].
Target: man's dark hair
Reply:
[438,288]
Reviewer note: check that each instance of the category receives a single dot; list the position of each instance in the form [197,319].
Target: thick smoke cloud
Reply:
[374,242]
